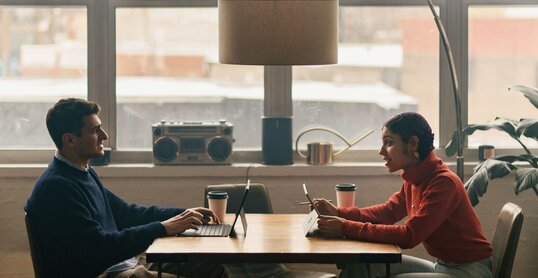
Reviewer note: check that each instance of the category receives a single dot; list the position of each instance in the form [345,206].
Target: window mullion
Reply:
[101,65]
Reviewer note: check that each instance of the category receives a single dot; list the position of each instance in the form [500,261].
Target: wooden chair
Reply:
[35,250]
[505,240]
[258,201]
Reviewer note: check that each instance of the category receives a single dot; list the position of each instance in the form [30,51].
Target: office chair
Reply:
[258,201]
[505,240]
[35,250]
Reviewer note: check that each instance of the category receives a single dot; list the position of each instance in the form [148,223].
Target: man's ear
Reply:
[68,139]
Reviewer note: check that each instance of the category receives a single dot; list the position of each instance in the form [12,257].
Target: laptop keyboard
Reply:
[214,230]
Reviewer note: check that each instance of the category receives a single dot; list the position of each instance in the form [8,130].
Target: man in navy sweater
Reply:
[84,229]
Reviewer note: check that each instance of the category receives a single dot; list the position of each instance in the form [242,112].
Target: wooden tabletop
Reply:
[271,238]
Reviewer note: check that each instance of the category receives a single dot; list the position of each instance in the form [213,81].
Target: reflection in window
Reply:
[388,63]
[43,57]
[167,69]
[502,48]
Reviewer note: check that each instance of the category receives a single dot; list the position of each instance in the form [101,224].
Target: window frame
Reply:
[102,70]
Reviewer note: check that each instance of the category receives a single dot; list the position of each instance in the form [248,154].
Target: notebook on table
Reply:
[221,230]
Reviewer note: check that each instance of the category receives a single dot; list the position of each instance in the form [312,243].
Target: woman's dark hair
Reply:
[67,116]
[413,124]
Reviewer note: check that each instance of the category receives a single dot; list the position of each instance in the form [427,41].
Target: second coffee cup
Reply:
[345,194]
[218,201]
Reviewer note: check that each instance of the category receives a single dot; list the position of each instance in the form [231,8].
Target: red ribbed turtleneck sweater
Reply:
[439,213]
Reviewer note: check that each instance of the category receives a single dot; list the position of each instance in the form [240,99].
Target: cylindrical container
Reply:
[276,140]
[485,152]
[345,194]
[319,153]
[218,201]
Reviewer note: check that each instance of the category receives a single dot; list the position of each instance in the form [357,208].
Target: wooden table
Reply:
[271,238]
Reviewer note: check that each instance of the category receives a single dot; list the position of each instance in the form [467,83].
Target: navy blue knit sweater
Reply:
[83,228]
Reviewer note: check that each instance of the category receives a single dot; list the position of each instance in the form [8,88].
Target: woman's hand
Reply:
[331,225]
[189,219]
[325,207]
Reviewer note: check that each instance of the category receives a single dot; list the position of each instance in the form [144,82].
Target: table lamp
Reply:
[278,34]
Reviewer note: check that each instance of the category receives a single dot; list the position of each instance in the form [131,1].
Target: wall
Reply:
[284,186]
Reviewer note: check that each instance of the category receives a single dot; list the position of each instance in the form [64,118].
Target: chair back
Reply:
[258,200]
[35,250]
[505,239]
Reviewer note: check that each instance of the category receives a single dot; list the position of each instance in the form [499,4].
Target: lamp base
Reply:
[277,140]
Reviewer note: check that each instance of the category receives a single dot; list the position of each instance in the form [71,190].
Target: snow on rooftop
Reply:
[162,90]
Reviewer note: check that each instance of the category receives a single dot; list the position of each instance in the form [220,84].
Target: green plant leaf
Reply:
[506,125]
[530,158]
[525,179]
[528,127]
[487,170]
[530,93]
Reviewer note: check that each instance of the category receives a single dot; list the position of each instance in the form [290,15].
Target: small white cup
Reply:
[218,201]
[345,194]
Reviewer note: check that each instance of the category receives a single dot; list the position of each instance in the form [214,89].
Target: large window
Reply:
[43,57]
[145,61]
[502,53]
[388,63]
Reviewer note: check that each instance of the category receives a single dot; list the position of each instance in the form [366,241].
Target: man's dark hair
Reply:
[413,124]
[67,116]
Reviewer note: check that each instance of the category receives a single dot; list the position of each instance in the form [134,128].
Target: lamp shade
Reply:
[278,32]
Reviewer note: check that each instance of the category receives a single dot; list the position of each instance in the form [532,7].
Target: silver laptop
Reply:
[222,230]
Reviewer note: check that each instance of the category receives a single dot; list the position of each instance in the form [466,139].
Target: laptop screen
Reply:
[241,210]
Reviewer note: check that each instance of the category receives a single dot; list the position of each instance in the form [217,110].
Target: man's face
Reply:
[90,142]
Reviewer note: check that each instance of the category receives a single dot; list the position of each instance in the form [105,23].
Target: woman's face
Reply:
[397,154]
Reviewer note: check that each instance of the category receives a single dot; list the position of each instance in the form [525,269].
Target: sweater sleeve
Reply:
[129,215]
[392,211]
[438,202]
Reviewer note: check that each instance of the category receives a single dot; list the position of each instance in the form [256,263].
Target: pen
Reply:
[308,203]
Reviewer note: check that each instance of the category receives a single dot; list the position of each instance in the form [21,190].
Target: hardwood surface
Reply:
[271,238]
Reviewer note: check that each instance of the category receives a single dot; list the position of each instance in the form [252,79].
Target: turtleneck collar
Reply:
[417,173]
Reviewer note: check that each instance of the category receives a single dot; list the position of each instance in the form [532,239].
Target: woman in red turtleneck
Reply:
[433,198]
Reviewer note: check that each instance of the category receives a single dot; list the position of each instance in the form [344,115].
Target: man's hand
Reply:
[331,225]
[325,207]
[189,219]
[207,215]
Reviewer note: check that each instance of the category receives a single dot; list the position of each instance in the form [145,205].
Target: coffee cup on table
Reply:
[218,201]
[345,194]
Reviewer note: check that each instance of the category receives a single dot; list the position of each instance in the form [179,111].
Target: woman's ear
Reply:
[413,143]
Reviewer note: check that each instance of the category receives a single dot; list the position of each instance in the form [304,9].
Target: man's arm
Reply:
[129,215]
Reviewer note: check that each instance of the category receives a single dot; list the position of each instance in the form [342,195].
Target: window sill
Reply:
[237,169]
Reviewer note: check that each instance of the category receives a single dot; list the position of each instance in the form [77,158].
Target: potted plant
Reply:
[525,177]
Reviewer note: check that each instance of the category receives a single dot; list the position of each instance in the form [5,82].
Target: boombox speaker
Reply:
[191,143]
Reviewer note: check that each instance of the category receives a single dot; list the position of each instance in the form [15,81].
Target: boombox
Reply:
[192,142]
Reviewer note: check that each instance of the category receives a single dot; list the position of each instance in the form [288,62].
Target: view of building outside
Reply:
[502,53]
[161,58]
[43,57]
[167,69]
[388,63]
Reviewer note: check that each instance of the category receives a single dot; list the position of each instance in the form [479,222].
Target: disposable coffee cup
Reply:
[345,194]
[217,203]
